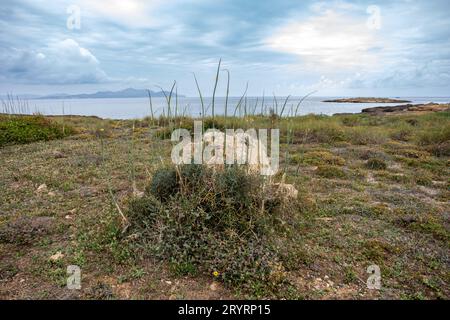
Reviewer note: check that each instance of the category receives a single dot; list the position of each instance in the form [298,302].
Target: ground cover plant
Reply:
[102,197]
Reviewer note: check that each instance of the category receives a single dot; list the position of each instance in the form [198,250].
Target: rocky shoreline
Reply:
[428,107]
[367,100]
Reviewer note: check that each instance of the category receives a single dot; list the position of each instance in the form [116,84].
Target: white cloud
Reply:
[131,13]
[59,63]
[330,39]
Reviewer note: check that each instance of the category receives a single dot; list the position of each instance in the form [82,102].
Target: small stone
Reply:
[213,286]
[57,256]
[42,188]
[138,194]
[87,192]
[51,194]
[168,282]
[68,217]
[58,154]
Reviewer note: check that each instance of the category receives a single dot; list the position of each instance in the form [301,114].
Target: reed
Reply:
[215,88]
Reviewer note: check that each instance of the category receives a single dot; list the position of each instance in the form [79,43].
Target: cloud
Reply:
[130,13]
[330,39]
[64,62]
[319,44]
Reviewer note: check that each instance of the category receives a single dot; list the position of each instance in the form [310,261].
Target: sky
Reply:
[337,48]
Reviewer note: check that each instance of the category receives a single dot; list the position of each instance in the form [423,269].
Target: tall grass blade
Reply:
[151,104]
[240,100]
[284,106]
[215,88]
[301,100]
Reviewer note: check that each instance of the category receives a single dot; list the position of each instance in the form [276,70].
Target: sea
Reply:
[137,108]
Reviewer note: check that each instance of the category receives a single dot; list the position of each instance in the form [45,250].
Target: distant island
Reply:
[126,93]
[367,100]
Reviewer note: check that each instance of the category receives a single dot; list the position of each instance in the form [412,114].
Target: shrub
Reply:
[164,133]
[320,133]
[164,184]
[376,164]
[328,171]
[210,123]
[323,157]
[423,178]
[366,135]
[402,134]
[26,129]
[212,221]
[369,153]
[350,121]
[436,140]
[416,154]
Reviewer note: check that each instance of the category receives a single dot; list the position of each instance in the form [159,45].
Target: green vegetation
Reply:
[376,164]
[372,189]
[26,129]
[215,223]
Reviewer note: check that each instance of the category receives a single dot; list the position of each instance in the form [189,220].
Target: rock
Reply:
[7,272]
[429,107]
[138,194]
[214,286]
[51,194]
[58,154]
[370,178]
[367,100]
[101,291]
[87,192]
[287,191]
[42,188]
[326,219]
[57,256]
[406,220]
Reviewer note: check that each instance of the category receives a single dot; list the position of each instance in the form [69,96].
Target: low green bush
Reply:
[376,164]
[436,140]
[26,129]
[328,171]
[323,157]
[213,222]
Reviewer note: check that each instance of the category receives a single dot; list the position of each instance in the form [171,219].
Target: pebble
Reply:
[213,286]
[57,256]
[42,188]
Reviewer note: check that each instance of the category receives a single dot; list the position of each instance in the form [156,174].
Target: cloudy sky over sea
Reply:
[384,48]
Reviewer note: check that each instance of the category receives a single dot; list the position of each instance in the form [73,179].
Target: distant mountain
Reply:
[126,93]
[23,96]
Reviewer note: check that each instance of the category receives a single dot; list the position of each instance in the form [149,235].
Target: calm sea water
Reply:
[132,108]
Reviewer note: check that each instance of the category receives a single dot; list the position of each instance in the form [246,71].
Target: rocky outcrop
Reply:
[367,100]
[429,107]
